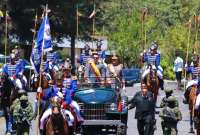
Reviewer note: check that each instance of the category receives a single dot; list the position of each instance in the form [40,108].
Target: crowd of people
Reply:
[57,83]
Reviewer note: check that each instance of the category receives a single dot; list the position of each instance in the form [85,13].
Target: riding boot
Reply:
[161,84]
[41,132]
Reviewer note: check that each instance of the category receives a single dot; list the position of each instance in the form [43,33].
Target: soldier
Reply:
[170,116]
[153,58]
[145,110]
[23,115]
[168,93]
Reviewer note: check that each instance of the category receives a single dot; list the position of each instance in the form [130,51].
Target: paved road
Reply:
[183,126]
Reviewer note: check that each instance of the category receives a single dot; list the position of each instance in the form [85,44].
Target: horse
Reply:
[191,102]
[152,82]
[35,79]
[57,123]
[8,95]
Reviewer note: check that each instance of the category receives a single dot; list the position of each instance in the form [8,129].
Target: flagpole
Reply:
[189,33]
[77,21]
[33,41]
[40,80]
[6,34]
[93,26]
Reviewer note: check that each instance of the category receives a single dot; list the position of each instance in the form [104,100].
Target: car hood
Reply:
[94,96]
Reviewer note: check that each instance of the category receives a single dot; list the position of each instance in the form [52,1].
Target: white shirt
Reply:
[178,64]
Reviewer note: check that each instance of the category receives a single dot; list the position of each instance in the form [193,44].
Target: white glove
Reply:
[39,89]
[186,65]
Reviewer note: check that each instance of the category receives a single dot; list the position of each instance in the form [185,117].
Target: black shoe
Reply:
[41,132]
[185,101]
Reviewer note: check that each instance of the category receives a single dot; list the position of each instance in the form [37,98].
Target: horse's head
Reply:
[57,120]
[3,77]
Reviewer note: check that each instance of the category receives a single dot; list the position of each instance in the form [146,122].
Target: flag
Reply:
[92,14]
[44,36]
[43,45]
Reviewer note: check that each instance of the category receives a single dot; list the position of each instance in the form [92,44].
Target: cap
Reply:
[168,91]
[23,98]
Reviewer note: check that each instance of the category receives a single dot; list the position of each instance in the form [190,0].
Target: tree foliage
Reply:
[165,22]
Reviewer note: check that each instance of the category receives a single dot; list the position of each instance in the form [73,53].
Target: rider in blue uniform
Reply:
[194,70]
[153,58]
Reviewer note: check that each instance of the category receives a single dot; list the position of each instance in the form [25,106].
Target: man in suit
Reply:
[145,110]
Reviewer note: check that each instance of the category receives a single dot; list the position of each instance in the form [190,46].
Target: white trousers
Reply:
[48,112]
[158,72]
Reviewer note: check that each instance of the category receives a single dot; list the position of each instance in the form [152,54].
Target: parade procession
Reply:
[89,67]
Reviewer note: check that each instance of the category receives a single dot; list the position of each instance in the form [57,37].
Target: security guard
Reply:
[168,93]
[23,115]
[145,110]
[170,116]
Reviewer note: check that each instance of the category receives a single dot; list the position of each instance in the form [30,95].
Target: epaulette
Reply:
[74,77]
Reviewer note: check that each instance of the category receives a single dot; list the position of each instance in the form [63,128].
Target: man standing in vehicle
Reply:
[145,110]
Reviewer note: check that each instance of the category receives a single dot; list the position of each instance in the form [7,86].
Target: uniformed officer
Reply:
[170,116]
[168,93]
[23,115]
[145,110]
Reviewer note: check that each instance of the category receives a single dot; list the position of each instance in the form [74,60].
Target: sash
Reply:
[94,68]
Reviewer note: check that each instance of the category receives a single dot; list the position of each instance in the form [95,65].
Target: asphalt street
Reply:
[183,126]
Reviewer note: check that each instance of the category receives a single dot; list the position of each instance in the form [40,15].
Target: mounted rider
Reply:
[51,95]
[194,70]
[69,86]
[152,58]
[11,68]
[95,71]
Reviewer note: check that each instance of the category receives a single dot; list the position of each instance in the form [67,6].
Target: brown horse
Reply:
[191,102]
[57,123]
[152,82]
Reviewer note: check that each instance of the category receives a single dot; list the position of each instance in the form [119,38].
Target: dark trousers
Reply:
[145,126]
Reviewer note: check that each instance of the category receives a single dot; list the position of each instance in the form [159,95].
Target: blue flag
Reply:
[43,45]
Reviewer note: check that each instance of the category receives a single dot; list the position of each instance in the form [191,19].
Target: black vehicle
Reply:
[100,107]
[131,76]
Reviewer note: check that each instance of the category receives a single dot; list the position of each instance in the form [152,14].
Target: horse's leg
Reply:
[7,118]
[191,123]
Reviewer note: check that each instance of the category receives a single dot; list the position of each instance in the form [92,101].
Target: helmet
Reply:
[23,98]
[21,91]
[168,91]
[171,99]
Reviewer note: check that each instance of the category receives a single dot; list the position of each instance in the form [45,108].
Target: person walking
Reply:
[170,115]
[145,110]
[178,68]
